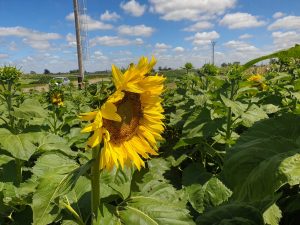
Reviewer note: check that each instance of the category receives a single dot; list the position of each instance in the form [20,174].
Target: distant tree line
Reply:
[164,68]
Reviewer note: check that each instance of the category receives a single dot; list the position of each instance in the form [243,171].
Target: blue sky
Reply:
[35,34]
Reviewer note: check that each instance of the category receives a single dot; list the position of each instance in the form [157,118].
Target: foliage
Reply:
[188,66]
[46,71]
[208,70]
[230,153]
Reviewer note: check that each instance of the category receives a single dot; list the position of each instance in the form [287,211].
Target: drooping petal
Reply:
[88,128]
[88,116]
[116,97]
[95,139]
[109,111]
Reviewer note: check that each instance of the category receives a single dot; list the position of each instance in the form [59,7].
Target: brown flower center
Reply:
[129,109]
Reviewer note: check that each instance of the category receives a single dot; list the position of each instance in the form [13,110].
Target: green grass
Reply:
[35,80]
[28,81]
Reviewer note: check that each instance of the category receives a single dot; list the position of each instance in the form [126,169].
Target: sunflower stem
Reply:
[19,171]
[70,209]
[95,181]
[229,116]
[54,122]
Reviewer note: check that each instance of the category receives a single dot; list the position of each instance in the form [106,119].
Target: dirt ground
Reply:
[45,87]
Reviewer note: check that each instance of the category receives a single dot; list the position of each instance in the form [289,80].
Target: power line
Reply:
[82,9]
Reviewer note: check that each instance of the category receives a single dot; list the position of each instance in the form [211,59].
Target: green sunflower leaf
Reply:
[272,215]
[153,211]
[30,108]
[20,146]
[265,158]
[23,146]
[52,170]
[231,214]
[211,194]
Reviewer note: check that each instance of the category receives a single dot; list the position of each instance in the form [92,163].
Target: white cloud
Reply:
[109,41]
[178,49]
[278,15]
[29,59]
[286,23]
[114,41]
[98,55]
[240,51]
[178,60]
[122,53]
[133,8]
[38,62]
[162,46]
[159,48]
[138,41]
[203,38]
[12,46]
[240,46]
[70,16]
[285,39]
[241,20]
[71,39]
[3,56]
[190,9]
[245,36]
[139,30]
[107,16]
[202,25]
[28,33]
[33,38]
[41,45]
[91,23]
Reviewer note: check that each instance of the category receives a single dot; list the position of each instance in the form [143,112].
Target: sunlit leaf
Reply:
[52,169]
[265,158]
[152,211]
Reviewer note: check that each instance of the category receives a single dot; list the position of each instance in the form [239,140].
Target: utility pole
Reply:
[213,43]
[78,41]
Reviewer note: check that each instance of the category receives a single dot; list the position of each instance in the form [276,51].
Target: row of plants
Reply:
[229,152]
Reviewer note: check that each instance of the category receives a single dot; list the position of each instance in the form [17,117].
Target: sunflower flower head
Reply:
[129,123]
[258,82]
[256,78]
[56,97]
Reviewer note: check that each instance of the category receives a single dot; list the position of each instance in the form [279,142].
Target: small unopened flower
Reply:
[263,86]
[56,98]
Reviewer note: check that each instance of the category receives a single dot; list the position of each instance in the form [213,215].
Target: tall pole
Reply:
[78,41]
[213,43]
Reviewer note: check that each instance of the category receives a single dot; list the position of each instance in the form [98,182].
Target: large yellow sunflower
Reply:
[130,121]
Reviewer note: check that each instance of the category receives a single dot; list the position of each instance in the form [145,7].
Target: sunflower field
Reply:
[208,147]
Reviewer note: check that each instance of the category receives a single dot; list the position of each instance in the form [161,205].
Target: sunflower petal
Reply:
[88,128]
[115,97]
[88,116]
[95,139]
[109,111]
[117,76]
